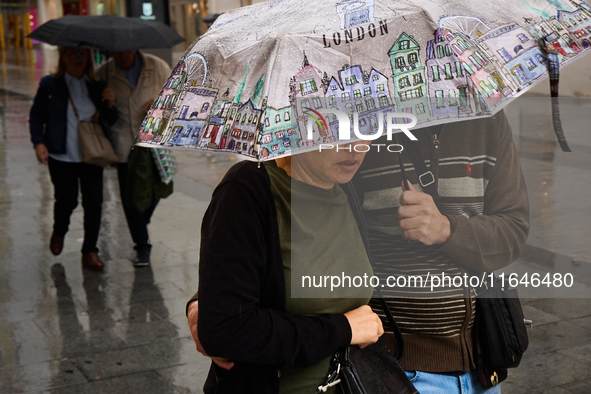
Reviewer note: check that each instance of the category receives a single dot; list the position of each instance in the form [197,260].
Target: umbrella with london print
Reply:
[284,76]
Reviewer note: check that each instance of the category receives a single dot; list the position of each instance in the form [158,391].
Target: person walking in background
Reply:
[137,79]
[63,99]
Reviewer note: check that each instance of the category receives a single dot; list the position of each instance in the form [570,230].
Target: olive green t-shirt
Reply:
[319,238]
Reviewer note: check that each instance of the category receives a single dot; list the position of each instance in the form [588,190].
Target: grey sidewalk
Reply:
[124,331]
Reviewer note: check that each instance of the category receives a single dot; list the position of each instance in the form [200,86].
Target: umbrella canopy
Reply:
[106,32]
[263,80]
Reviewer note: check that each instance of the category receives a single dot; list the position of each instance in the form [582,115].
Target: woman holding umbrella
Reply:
[71,95]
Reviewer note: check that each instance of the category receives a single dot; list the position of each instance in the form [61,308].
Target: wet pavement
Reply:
[65,330]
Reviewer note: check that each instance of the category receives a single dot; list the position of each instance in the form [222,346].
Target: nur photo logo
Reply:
[340,123]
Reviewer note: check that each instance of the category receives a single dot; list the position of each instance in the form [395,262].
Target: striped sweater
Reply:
[483,195]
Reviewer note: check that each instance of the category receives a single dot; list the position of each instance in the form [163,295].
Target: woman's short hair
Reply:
[61,66]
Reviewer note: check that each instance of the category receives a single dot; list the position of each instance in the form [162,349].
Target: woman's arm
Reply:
[234,263]
[39,111]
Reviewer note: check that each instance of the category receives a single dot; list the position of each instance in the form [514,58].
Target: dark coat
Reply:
[48,119]
[143,183]
[242,292]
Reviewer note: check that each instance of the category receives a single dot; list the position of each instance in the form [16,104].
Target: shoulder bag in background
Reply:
[96,147]
[165,163]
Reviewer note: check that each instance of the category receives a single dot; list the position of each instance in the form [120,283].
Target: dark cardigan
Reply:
[242,292]
[48,119]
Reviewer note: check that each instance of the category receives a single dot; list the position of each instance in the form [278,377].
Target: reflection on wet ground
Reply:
[60,326]
[65,330]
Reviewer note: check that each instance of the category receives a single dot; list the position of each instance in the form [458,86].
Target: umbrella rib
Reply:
[168,43]
[270,68]
[156,30]
[112,34]
[456,26]
[59,35]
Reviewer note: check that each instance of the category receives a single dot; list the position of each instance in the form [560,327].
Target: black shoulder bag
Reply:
[500,333]
[371,370]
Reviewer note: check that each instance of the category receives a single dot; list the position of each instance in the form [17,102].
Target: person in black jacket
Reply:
[63,99]
[263,339]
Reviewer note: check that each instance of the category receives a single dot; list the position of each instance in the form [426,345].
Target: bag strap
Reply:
[95,116]
[429,185]
[426,177]
[357,212]
[395,329]
[74,107]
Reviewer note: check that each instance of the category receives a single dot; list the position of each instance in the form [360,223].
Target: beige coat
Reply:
[130,99]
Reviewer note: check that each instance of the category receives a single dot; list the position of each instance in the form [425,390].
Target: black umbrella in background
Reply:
[107,33]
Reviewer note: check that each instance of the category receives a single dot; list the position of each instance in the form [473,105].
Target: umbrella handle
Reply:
[402,173]
[401,164]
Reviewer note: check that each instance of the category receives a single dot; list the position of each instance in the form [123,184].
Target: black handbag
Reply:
[371,370]
[500,333]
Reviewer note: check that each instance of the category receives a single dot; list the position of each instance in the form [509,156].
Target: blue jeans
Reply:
[433,383]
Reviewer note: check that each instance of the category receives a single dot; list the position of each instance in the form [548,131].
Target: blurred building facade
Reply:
[19,17]
[186,17]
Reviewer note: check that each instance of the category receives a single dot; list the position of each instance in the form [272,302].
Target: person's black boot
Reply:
[142,259]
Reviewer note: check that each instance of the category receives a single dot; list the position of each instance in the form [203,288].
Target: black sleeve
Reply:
[234,262]
[39,112]
[108,113]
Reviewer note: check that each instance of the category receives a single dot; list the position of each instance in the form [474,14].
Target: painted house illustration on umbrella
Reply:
[232,125]
[228,123]
[365,93]
[487,81]
[280,131]
[408,77]
[157,120]
[242,125]
[244,129]
[218,125]
[516,50]
[306,91]
[556,35]
[191,115]
[188,113]
[355,12]
[578,24]
[449,86]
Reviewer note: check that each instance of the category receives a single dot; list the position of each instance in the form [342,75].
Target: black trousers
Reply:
[136,221]
[66,178]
